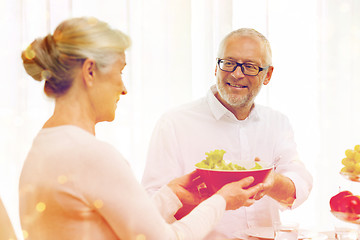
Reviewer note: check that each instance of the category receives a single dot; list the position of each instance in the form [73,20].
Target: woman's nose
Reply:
[124,91]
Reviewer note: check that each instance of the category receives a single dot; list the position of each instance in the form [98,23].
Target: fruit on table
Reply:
[345,202]
[351,161]
[351,204]
[335,201]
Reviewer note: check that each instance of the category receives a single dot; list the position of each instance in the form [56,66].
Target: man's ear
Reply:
[268,75]
[88,72]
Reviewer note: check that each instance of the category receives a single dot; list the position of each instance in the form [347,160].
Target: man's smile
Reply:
[236,85]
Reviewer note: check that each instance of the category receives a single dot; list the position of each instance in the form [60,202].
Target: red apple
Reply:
[350,204]
[355,204]
[336,201]
[357,208]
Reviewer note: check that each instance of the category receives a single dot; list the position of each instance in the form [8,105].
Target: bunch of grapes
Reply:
[352,161]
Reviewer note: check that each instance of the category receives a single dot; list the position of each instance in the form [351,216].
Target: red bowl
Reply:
[215,179]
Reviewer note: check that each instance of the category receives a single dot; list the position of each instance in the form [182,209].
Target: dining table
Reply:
[330,235]
[303,235]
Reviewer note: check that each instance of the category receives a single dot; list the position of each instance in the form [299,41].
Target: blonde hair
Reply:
[249,32]
[55,58]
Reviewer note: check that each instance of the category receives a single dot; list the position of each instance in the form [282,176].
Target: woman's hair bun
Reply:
[56,57]
[31,61]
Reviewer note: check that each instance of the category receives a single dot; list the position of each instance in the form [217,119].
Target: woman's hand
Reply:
[185,188]
[237,196]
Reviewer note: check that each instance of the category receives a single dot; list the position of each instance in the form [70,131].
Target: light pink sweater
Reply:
[74,186]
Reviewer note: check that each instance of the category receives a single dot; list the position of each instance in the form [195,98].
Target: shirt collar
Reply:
[219,111]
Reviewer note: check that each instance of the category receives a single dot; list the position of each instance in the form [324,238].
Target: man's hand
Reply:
[278,187]
[268,185]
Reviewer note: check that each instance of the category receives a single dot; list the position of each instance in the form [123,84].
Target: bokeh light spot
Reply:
[25,234]
[46,74]
[30,53]
[140,237]
[98,203]
[62,179]
[40,207]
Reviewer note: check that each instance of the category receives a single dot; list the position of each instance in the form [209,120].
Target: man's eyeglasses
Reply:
[246,68]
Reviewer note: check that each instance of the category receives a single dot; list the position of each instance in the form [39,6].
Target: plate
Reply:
[351,176]
[268,233]
[260,232]
[348,217]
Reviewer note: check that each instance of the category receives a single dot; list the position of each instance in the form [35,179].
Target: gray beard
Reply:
[236,101]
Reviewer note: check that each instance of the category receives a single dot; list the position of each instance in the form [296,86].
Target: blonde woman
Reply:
[74,186]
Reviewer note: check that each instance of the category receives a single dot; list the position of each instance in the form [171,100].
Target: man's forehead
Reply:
[243,49]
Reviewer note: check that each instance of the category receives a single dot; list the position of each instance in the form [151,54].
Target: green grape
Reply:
[349,153]
[357,157]
[347,162]
[350,166]
[357,148]
[357,168]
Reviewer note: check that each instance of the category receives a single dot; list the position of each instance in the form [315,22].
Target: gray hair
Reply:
[248,32]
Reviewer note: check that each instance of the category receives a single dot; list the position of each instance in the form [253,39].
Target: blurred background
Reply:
[316,54]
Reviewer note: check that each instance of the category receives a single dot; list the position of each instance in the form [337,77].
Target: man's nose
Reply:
[237,73]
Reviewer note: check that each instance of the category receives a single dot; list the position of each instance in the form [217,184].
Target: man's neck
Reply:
[240,112]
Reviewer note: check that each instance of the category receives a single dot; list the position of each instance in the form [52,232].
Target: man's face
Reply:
[237,90]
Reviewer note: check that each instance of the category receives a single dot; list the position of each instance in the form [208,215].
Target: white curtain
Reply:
[316,52]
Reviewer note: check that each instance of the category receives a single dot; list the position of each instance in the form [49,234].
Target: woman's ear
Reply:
[88,72]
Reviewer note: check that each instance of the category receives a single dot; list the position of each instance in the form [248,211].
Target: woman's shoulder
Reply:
[74,142]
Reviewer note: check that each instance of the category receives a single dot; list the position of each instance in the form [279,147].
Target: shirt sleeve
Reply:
[289,164]
[163,148]
[202,219]
[301,178]
[130,211]
[167,203]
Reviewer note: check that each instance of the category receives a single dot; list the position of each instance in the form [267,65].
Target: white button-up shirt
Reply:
[183,135]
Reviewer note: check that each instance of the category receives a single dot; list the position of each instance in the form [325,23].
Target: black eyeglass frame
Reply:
[241,66]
